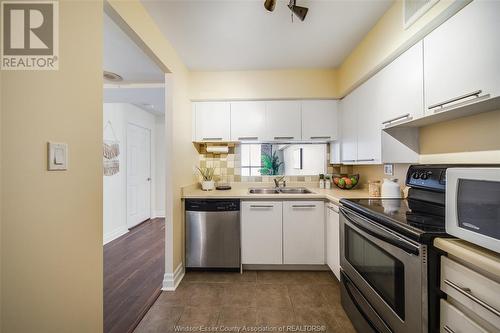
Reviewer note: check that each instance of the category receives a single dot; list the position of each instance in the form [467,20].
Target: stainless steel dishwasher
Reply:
[212,233]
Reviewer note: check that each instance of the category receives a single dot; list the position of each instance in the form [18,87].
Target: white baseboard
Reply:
[158,213]
[172,280]
[115,234]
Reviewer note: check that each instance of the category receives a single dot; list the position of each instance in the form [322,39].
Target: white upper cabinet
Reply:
[461,57]
[348,130]
[361,129]
[369,124]
[283,120]
[248,121]
[212,121]
[319,120]
[401,87]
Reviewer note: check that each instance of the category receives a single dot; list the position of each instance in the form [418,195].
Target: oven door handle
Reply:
[380,232]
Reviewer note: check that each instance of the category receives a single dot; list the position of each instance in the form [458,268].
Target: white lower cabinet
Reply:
[454,320]
[283,232]
[333,239]
[303,232]
[261,232]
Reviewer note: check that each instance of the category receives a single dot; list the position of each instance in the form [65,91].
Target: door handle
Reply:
[366,160]
[261,206]
[212,139]
[468,293]
[348,160]
[320,137]
[396,119]
[248,138]
[284,138]
[456,99]
[303,206]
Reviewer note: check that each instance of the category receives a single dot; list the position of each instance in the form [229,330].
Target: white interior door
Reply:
[138,174]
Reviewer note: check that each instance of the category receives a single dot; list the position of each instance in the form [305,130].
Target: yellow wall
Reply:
[51,245]
[183,154]
[387,39]
[265,84]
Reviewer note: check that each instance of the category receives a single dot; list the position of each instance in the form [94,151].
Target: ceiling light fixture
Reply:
[110,76]
[299,11]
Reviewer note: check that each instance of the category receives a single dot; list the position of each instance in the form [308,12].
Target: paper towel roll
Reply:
[218,149]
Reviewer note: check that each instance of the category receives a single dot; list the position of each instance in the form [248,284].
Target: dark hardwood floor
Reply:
[133,273]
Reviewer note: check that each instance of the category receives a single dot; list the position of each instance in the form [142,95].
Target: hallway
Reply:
[133,274]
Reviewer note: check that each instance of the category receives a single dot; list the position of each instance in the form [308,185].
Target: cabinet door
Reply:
[319,120]
[401,87]
[283,120]
[349,142]
[261,232]
[333,239]
[303,232]
[212,121]
[248,121]
[369,127]
[462,55]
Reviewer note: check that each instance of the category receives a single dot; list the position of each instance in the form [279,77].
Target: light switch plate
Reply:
[389,169]
[57,156]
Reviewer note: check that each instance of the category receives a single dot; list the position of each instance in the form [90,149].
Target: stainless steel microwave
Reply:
[473,205]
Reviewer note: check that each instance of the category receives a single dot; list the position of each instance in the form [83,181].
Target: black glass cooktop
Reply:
[416,219]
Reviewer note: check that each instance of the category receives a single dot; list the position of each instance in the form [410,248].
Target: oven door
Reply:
[387,269]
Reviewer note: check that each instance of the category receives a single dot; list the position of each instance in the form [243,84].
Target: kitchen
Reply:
[255,210]
[329,166]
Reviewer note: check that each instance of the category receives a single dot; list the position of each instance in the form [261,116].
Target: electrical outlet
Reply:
[389,169]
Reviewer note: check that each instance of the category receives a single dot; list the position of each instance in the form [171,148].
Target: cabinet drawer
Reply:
[452,320]
[473,290]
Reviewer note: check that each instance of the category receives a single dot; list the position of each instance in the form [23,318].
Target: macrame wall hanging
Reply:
[111,151]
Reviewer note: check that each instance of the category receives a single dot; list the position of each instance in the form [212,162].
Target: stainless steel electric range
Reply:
[384,254]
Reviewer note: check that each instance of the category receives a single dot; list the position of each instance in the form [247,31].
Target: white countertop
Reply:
[240,191]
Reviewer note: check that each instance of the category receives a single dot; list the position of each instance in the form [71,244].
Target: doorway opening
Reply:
[133,179]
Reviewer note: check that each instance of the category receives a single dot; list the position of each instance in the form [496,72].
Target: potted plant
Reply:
[270,164]
[207,174]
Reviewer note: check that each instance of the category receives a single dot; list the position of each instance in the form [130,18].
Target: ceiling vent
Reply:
[113,77]
[415,9]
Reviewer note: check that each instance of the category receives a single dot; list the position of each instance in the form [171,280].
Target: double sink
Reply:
[283,190]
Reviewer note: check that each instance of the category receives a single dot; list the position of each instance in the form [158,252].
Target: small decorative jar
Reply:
[328,183]
[374,188]
[321,181]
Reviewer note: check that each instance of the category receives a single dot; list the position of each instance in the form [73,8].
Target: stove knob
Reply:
[416,175]
[424,176]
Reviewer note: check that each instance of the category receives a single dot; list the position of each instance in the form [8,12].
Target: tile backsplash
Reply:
[228,168]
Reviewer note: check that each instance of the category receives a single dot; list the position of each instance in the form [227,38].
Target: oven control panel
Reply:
[430,177]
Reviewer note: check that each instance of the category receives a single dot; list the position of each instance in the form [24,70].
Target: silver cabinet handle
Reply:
[248,138]
[348,160]
[366,160]
[468,293]
[320,137]
[333,208]
[212,139]
[456,99]
[148,179]
[448,329]
[261,206]
[397,118]
[284,137]
[303,206]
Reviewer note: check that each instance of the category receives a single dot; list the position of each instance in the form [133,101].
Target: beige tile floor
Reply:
[223,302]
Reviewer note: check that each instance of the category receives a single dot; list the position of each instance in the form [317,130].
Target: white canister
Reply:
[207,185]
[391,188]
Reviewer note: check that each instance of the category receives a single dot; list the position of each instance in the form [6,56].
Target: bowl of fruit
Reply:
[346,182]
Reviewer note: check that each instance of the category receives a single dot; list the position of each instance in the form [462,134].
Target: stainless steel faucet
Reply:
[280,180]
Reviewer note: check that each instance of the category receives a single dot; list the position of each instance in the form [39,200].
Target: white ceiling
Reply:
[122,56]
[242,35]
[149,99]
